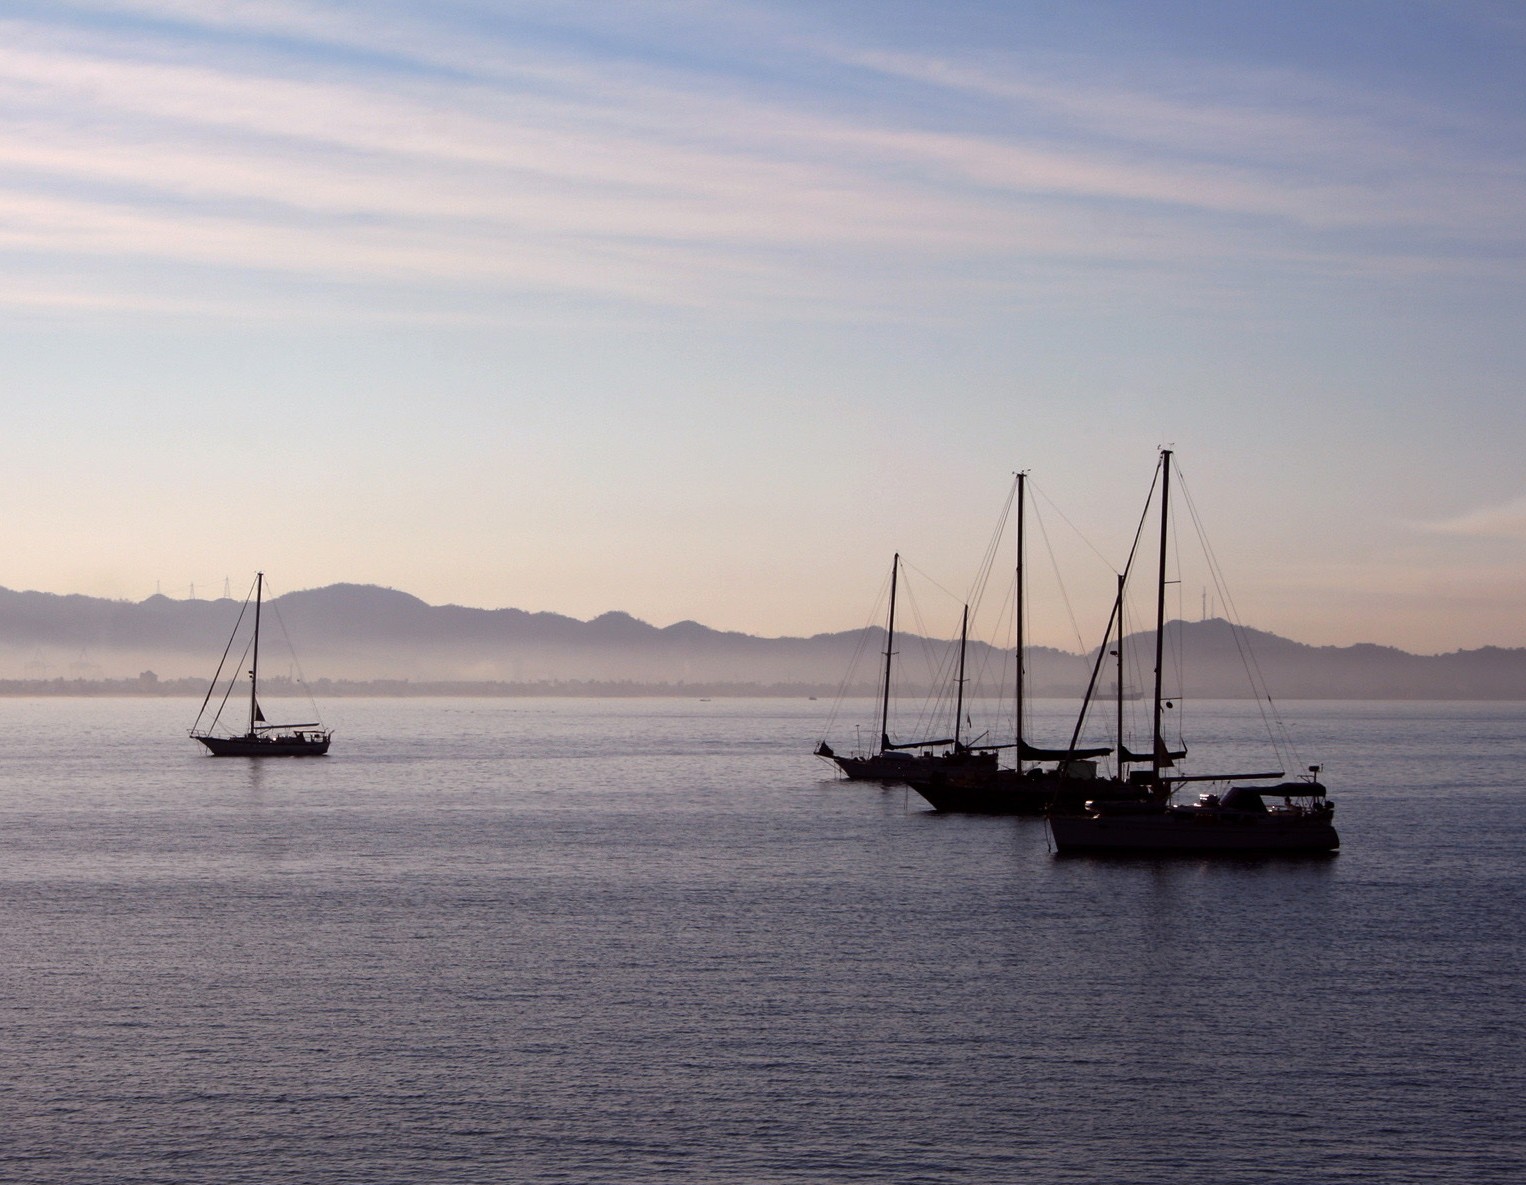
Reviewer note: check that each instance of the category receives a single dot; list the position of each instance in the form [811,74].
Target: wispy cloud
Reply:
[1256,142]
[1507,520]
[373,147]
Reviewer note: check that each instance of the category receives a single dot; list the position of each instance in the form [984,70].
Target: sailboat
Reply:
[892,761]
[1238,820]
[979,786]
[261,738]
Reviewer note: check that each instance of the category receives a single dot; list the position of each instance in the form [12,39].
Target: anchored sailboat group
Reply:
[1131,810]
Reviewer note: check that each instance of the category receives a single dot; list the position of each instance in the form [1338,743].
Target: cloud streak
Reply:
[389,152]
[1505,520]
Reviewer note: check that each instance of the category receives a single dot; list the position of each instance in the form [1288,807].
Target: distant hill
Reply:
[362,632]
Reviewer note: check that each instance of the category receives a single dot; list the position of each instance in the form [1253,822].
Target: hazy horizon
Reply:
[997,641]
[702,311]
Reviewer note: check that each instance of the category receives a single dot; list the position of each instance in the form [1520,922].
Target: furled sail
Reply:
[885,743]
[1032,753]
[1167,755]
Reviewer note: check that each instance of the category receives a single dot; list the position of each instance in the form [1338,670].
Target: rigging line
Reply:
[989,655]
[1276,729]
[936,667]
[232,683]
[1004,652]
[938,662]
[1216,573]
[1070,610]
[1091,685]
[938,701]
[858,654]
[219,673]
[978,676]
[1177,643]
[942,691]
[295,661]
[1138,678]
[1082,662]
[1035,488]
[1140,672]
[933,660]
[905,565]
[993,548]
[912,613]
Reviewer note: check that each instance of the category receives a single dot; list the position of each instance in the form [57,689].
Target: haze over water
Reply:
[653,940]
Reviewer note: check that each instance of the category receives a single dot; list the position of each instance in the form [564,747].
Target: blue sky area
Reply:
[702,310]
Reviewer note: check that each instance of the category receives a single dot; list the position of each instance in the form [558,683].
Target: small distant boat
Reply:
[261,738]
[1236,821]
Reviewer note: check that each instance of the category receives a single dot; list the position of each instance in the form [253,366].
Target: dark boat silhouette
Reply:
[893,761]
[261,738]
[977,785]
[1238,820]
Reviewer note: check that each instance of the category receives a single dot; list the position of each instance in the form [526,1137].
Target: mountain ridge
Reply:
[370,632]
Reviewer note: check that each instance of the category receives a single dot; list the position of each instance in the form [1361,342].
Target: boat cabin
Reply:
[1252,800]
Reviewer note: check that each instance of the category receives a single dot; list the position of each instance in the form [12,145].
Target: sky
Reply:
[700,311]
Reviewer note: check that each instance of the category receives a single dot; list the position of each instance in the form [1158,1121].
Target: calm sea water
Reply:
[656,941]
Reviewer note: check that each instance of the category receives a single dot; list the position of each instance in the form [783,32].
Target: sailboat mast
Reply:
[895,566]
[1160,610]
[254,667]
[1021,648]
[964,633]
[1119,677]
